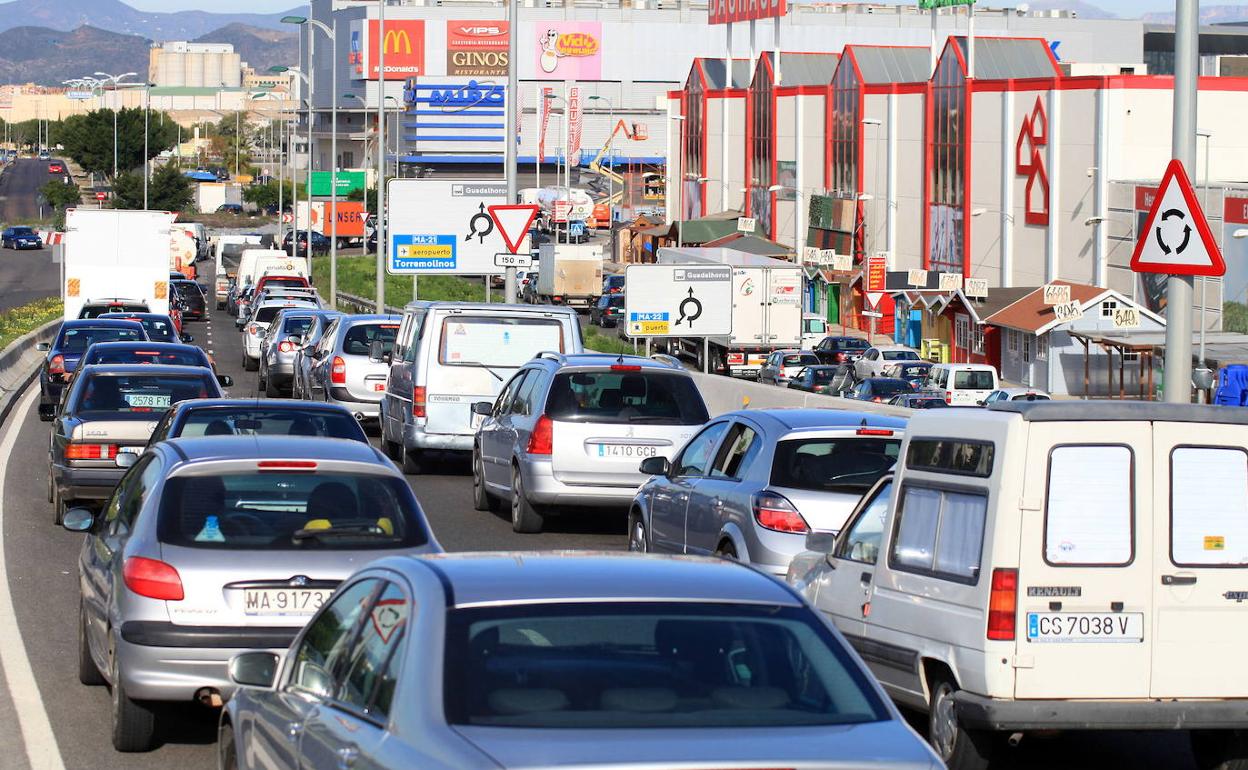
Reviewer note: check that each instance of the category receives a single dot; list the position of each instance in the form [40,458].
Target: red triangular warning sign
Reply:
[1176,238]
[513,222]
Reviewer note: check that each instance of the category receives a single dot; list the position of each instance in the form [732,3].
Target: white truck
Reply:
[256,263]
[112,254]
[570,274]
[766,309]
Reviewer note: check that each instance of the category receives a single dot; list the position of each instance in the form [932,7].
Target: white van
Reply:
[814,329]
[259,262]
[1053,565]
[962,384]
[449,355]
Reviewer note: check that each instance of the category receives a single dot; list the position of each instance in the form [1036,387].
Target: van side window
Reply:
[939,532]
[939,455]
[1208,512]
[1089,511]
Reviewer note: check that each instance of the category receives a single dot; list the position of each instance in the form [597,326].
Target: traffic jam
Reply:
[832,552]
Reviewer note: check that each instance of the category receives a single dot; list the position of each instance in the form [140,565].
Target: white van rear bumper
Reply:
[979,712]
[417,438]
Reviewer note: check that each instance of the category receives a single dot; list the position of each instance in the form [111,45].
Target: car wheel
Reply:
[637,542]
[88,673]
[59,507]
[227,752]
[481,499]
[413,461]
[524,517]
[1219,749]
[249,365]
[134,723]
[270,389]
[958,748]
[726,550]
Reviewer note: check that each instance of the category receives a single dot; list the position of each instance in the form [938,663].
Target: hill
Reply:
[116,16]
[50,56]
[260,48]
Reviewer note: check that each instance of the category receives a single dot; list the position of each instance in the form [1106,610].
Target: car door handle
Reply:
[1178,580]
[347,756]
[865,578]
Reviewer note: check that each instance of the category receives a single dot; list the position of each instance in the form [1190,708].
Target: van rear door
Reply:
[1085,579]
[1200,581]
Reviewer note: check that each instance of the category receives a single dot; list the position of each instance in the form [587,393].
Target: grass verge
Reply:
[21,320]
[358,276]
[605,341]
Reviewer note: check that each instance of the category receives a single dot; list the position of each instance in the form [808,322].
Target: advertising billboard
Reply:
[569,50]
[1235,250]
[476,47]
[728,11]
[404,43]
[348,182]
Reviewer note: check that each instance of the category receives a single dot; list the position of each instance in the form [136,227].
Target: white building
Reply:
[195,65]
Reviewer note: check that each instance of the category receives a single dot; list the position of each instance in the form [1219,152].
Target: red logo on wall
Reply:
[1029,162]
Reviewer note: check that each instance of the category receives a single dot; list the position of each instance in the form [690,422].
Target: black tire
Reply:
[88,673]
[638,540]
[393,451]
[1220,749]
[271,390]
[958,748]
[726,550]
[59,507]
[481,499]
[249,365]
[524,517]
[413,461]
[134,723]
[227,752]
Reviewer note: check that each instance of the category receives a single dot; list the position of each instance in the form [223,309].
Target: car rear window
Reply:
[822,376]
[141,392]
[890,387]
[852,344]
[270,422]
[297,325]
[973,380]
[147,356]
[654,397]
[496,341]
[96,310]
[276,510]
[834,464]
[360,337]
[632,665]
[267,313]
[900,355]
[78,340]
[805,359]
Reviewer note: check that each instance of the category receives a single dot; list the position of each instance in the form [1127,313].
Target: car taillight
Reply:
[840,358]
[625,368]
[774,512]
[948,398]
[542,439]
[152,578]
[1003,604]
[76,451]
[418,401]
[56,365]
[338,371]
[286,346]
[270,466]
[874,432]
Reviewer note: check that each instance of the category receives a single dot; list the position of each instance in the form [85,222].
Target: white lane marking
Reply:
[41,749]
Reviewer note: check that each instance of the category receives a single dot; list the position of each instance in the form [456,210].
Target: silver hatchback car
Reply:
[302,361]
[347,367]
[565,660]
[753,483]
[211,545]
[570,430]
[279,345]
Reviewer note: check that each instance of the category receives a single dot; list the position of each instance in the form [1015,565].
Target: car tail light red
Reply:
[56,365]
[419,401]
[542,439]
[338,371]
[285,465]
[625,368]
[152,578]
[286,346]
[78,451]
[1003,604]
[874,432]
[775,512]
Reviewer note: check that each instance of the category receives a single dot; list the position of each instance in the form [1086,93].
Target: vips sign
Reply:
[569,50]
[404,43]
[475,47]
[728,11]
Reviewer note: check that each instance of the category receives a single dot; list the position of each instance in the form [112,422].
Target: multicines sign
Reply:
[727,11]
[476,47]
[569,50]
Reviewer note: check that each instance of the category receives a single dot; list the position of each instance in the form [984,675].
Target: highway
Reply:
[25,276]
[41,564]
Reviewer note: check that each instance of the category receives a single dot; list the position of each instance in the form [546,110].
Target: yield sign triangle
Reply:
[1176,238]
[513,223]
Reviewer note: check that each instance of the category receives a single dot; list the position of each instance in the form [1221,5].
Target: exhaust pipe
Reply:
[359,416]
[210,697]
[1014,740]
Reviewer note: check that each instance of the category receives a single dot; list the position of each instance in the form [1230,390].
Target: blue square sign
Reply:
[422,252]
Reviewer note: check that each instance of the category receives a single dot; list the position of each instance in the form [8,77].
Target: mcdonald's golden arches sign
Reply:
[404,42]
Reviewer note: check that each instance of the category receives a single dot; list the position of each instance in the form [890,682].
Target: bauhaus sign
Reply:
[726,11]
[404,42]
[476,47]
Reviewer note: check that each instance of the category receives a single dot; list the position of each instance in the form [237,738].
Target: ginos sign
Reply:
[476,47]
[726,11]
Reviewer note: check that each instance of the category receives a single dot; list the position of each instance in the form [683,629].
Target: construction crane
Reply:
[638,132]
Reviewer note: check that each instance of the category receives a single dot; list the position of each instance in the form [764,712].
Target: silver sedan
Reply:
[212,545]
[562,660]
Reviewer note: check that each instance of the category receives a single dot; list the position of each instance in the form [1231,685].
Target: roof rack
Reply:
[553,356]
[664,358]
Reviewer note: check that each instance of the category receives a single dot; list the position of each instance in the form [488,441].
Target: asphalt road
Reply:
[42,570]
[25,276]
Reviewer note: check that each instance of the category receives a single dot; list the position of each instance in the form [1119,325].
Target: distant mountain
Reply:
[50,56]
[1209,14]
[1084,10]
[116,16]
[260,48]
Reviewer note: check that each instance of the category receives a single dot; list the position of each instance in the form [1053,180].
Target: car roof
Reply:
[100,323]
[1022,391]
[371,318]
[603,360]
[1118,411]
[204,448]
[799,418]
[506,578]
[109,370]
[171,347]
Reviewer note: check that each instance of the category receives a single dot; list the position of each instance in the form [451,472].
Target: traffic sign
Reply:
[513,260]
[678,300]
[1175,238]
[101,196]
[513,222]
[874,297]
[439,226]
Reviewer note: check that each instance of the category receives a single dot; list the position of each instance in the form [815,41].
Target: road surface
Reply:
[25,276]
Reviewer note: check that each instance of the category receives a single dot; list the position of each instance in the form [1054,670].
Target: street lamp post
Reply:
[680,180]
[115,80]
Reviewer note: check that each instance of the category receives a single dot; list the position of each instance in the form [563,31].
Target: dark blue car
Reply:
[66,350]
[159,327]
[257,417]
[20,238]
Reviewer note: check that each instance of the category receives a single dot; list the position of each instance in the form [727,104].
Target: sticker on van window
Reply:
[1215,543]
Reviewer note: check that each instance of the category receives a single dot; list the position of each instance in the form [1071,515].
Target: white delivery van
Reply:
[260,262]
[1053,565]
[962,384]
[226,256]
[570,274]
[814,329]
[114,254]
[449,355]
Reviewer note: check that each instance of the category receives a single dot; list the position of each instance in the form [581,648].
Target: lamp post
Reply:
[680,180]
[332,33]
[115,80]
[294,243]
[567,171]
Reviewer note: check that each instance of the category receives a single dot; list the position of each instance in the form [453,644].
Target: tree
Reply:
[167,190]
[264,196]
[88,139]
[226,140]
[61,195]
[369,198]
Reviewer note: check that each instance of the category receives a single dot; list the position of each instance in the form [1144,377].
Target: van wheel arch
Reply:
[964,749]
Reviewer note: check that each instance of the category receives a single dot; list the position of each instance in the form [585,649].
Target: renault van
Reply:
[962,384]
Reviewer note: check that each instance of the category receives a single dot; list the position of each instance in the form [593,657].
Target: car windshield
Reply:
[497,342]
[804,359]
[359,338]
[276,510]
[900,355]
[260,421]
[639,396]
[974,379]
[834,464]
[79,339]
[630,665]
[97,310]
[144,356]
[155,392]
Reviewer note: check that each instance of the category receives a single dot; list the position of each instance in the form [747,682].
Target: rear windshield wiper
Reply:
[497,376]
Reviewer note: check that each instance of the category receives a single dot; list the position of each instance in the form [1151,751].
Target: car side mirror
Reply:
[187,338]
[126,459]
[483,408]
[254,669]
[225,380]
[78,520]
[43,347]
[47,412]
[820,542]
[240,322]
[655,466]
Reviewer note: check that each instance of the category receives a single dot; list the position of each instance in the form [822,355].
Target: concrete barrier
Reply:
[19,364]
[726,394]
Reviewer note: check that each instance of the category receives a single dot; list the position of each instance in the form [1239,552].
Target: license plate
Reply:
[147,400]
[1083,627]
[626,450]
[284,601]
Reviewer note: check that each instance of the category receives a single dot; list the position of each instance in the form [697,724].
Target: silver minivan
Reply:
[450,355]
[571,430]
[347,366]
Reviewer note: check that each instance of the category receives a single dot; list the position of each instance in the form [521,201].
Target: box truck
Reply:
[570,274]
[766,309]
[112,254]
[348,226]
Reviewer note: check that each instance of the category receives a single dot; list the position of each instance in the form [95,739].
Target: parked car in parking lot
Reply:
[783,365]
[215,544]
[883,361]
[879,389]
[570,430]
[249,417]
[831,380]
[841,350]
[656,662]
[752,483]
[64,352]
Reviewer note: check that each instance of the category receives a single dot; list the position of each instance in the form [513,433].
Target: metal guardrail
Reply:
[350,303]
